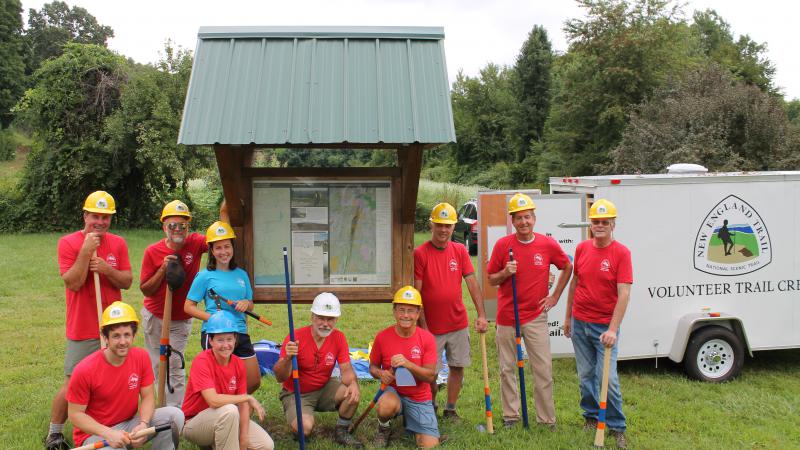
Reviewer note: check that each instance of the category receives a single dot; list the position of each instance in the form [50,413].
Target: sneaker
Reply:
[56,441]
[620,438]
[451,414]
[381,439]
[342,436]
[589,424]
[508,423]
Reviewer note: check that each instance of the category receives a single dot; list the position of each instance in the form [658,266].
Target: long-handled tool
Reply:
[99,300]
[295,373]
[175,275]
[518,334]
[600,434]
[141,433]
[487,394]
[371,405]
[258,317]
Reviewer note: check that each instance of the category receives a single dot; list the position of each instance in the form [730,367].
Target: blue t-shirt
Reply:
[231,284]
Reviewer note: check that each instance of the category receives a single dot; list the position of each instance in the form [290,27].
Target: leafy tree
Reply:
[745,58]
[532,88]
[12,67]
[617,56]
[56,24]
[67,106]
[710,118]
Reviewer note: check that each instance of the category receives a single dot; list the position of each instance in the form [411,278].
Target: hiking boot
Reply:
[508,423]
[451,414]
[589,424]
[56,441]
[620,438]
[381,439]
[343,437]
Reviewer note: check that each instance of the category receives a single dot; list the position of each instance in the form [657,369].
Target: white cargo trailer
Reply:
[716,259]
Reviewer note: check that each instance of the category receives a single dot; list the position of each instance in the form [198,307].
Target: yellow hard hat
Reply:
[100,202]
[175,208]
[219,231]
[119,312]
[602,209]
[444,213]
[407,295]
[520,202]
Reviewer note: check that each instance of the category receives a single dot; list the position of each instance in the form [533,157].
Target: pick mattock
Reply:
[141,433]
[220,298]
[487,394]
[600,434]
[99,301]
[518,335]
[175,275]
[295,373]
[371,405]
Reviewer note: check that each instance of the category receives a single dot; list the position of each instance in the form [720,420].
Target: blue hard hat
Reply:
[222,321]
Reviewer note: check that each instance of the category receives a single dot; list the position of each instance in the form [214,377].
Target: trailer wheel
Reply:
[714,354]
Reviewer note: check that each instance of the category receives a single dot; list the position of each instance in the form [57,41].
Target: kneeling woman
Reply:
[216,406]
[231,283]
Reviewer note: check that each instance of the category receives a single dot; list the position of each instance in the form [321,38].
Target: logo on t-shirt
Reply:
[112,260]
[187,259]
[605,266]
[133,381]
[453,265]
[232,384]
[329,359]
[241,282]
[416,353]
[538,260]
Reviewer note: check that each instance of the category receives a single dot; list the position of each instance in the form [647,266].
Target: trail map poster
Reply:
[338,233]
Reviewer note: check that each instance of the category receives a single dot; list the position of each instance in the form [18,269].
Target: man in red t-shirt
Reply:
[105,389]
[92,250]
[403,357]
[596,303]
[318,348]
[533,255]
[187,248]
[439,267]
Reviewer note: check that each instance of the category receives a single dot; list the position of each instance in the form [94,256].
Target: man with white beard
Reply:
[318,347]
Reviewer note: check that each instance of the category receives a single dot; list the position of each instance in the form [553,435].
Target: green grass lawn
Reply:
[761,409]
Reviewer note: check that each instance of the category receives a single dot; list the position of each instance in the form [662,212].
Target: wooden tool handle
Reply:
[166,323]
[600,434]
[99,301]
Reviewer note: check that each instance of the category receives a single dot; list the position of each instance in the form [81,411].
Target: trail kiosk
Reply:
[349,230]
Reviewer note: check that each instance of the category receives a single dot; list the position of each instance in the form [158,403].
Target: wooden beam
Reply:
[229,163]
[346,294]
[321,172]
[410,160]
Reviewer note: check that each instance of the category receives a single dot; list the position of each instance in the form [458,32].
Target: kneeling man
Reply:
[318,347]
[105,388]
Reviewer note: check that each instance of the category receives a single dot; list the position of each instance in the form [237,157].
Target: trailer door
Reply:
[561,217]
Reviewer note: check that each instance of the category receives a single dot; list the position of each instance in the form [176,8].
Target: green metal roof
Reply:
[318,85]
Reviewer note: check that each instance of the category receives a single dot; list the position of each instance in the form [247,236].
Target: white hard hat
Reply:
[326,304]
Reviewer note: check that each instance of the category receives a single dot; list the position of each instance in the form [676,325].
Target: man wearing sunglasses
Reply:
[179,244]
[318,348]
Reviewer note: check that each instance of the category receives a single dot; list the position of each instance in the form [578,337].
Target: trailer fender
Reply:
[694,321]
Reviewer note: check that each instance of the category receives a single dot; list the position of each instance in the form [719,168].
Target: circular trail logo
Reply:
[732,240]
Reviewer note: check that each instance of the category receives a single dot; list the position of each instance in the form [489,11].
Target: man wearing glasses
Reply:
[318,348]
[187,248]
[596,303]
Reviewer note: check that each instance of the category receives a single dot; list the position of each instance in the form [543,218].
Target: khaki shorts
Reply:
[321,400]
[456,343]
[76,351]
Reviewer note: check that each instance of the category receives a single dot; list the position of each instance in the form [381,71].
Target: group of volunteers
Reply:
[108,392]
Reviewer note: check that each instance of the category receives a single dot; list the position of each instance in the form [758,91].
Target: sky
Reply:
[477,32]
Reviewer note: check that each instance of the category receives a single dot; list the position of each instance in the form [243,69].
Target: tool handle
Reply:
[487,393]
[258,317]
[600,434]
[99,301]
[141,433]
[518,335]
[163,363]
[372,404]
[295,373]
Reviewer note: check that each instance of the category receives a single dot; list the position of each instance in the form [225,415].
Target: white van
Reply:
[716,260]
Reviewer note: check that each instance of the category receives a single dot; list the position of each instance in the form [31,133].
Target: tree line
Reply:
[641,85]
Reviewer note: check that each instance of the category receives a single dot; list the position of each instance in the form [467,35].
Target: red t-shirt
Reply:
[419,348]
[316,364]
[111,394]
[81,305]
[533,275]
[598,271]
[207,374]
[190,256]
[441,272]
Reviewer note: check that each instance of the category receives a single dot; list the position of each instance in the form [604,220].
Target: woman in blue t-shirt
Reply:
[223,280]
